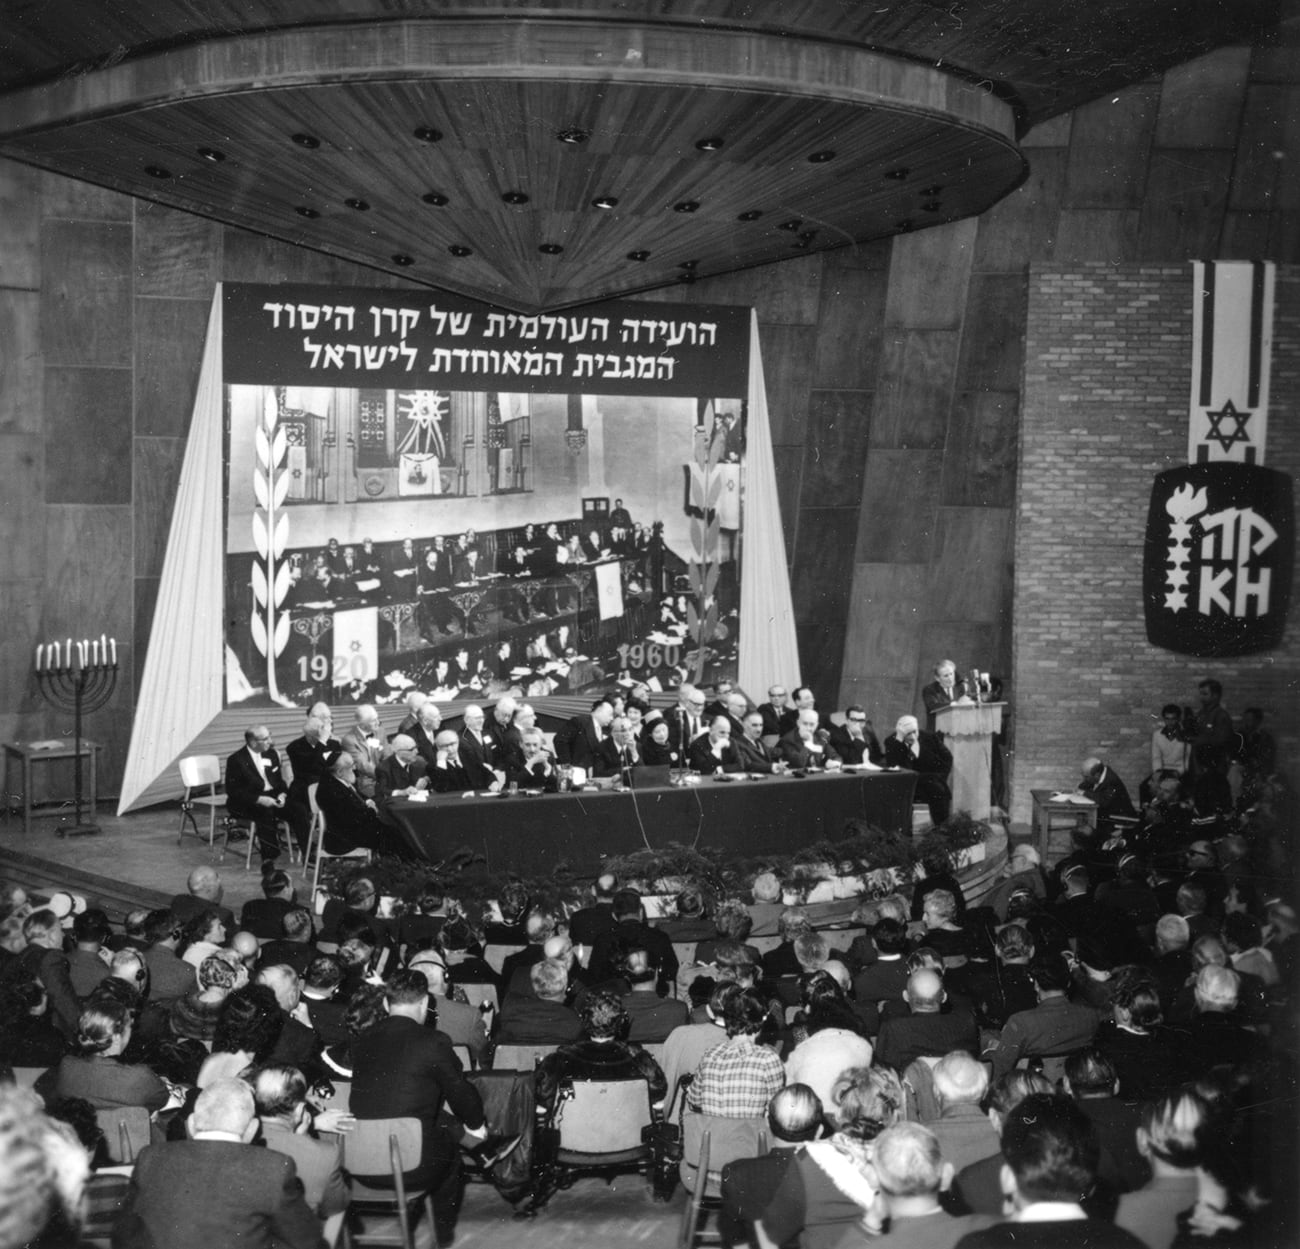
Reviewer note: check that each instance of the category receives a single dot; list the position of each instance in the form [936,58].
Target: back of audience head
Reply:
[406,989]
[355,924]
[42,928]
[909,1162]
[361,895]
[795,1114]
[811,949]
[221,971]
[276,883]
[959,1080]
[603,1017]
[638,967]
[865,1100]
[626,904]
[129,966]
[890,936]
[940,907]
[161,925]
[1216,989]
[1050,973]
[1014,944]
[91,927]
[103,1028]
[925,992]
[324,973]
[1172,933]
[1168,1130]
[550,979]
[732,920]
[539,927]
[1208,950]
[1011,1088]
[1090,1073]
[743,1013]
[278,1092]
[1135,997]
[791,922]
[226,1106]
[1050,1150]
[366,1007]
[44,1174]
[250,1021]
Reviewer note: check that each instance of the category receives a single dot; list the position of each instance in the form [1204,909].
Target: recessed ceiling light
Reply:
[903,226]
[550,249]
[820,158]
[639,256]
[898,174]
[212,154]
[793,224]
[436,198]
[688,264]
[604,201]
[157,171]
[304,211]
[573,134]
[309,141]
[427,134]
[515,197]
[931,191]
[687,277]
[687,206]
[711,144]
[932,205]
[359,204]
[808,235]
[458,249]
[750,214]
[401,258]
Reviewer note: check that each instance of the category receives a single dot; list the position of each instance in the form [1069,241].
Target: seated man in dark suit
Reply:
[310,757]
[263,916]
[448,775]
[855,740]
[399,775]
[215,1190]
[807,745]
[255,790]
[753,753]
[926,1032]
[911,747]
[540,1017]
[630,929]
[401,1069]
[350,820]
[535,766]
[577,742]
[295,945]
[712,752]
[652,1016]
[618,754]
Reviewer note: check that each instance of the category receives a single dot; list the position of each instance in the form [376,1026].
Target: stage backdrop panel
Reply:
[385,491]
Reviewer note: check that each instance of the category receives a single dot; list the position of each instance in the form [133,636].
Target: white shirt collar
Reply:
[1050,1212]
[219,1136]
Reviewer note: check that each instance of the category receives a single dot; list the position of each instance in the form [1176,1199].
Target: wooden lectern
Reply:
[968,730]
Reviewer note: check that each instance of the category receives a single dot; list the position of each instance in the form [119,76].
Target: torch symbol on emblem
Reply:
[1183,506]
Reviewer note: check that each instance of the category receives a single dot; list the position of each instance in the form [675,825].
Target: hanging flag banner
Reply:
[1232,346]
[1220,542]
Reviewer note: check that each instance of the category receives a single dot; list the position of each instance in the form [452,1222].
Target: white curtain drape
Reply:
[769,647]
[180,690]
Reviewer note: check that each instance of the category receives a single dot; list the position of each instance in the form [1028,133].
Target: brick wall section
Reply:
[1106,387]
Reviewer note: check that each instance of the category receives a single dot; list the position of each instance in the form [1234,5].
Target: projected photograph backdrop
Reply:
[424,493]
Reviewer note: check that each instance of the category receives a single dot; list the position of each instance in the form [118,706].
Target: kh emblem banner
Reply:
[1219,549]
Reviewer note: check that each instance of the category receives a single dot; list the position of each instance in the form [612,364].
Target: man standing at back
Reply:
[216,1190]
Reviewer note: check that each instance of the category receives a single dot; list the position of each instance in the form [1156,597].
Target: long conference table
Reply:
[744,816]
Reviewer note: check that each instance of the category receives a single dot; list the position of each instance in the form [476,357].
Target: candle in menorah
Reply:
[78,677]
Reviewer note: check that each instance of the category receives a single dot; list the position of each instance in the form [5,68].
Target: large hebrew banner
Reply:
[427,493]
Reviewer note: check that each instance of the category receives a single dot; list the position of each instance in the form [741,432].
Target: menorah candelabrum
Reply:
[77,677]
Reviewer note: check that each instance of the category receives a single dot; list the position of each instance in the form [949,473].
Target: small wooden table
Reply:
[27,756]
[1045,811]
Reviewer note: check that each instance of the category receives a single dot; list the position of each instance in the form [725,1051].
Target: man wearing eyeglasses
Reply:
[778,716]
[855,739]
[687,720]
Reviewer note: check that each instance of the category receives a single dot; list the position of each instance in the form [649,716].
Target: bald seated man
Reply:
[400,775]
[448,775]
[205,892]
[1100,782]
[926,1031]
[216,1190]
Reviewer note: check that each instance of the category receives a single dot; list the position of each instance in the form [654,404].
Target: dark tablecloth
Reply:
[743,817]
